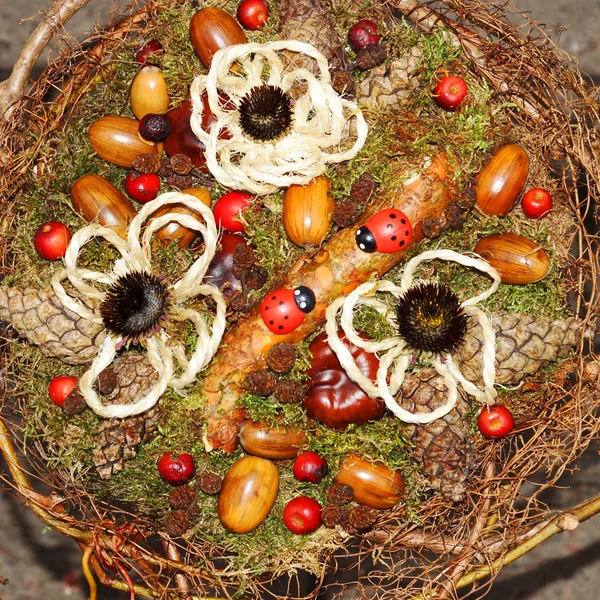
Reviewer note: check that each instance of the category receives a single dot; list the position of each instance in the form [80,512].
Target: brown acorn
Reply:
[98,200]
[501,181]
[149,93]
[373,483]
[115,139]
[517,259]
[212,29]
[306,212]
[275,443]
[248,493]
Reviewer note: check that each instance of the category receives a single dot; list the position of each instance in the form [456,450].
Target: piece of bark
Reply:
[338,269]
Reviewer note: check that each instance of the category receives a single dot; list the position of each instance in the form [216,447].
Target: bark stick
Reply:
[337,269]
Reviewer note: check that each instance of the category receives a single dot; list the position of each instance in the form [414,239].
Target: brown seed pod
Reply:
[340,493]
[98,200]
[306,212]
[275,443]
[373,483]
[517,259]
[501,181]
[210,483]
[177,523]
[260,382]
[181,497]
[149,93]
[212,29]
[115,139]
[288,391]
[331,515]
[146,163]
[249,491]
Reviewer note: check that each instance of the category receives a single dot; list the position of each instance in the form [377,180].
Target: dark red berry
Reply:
[176,470]
[311,467]
[146,50]
[51,240]
[253,14]
[363,34]
[142,187]
[154,128]
[302,515]
[449,92]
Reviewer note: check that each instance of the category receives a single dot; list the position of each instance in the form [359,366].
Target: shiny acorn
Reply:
[283,310]
[373,483]
[248,493]
[500,182]
[306,212]
[148,93]
[518,260]
[388,231]
[274,443]
[116,140]
[98,200]
[212,29]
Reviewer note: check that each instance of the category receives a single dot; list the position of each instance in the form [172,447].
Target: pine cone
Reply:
[243,257]
[524,344]
[309,21]
[117,440]
[393,84]
[40,317]
[441,448]
[362,189]
[181,164]
[345,213]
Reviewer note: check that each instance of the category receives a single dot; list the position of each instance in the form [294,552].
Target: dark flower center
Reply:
[431,319]
[265,112]
[134,305]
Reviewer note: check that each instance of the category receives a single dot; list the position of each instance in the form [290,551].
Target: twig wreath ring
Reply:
[396,353]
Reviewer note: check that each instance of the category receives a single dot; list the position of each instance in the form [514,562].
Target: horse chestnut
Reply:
[333,398]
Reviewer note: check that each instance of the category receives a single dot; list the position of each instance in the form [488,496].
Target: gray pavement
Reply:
[43,564]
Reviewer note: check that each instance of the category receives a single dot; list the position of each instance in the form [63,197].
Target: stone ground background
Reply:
[42,564]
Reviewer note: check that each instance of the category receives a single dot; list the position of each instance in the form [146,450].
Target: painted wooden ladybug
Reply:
[387,231]
[283,310]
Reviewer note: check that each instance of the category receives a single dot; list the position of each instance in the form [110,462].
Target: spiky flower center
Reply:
[431,319]
[134,305]
[265,113]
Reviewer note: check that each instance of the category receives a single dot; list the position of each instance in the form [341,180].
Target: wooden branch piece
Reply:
[337,269]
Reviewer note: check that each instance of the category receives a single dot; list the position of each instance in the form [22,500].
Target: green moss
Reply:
[436,52]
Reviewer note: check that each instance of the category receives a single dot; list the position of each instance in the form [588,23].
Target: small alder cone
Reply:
[281,357]
[260,382]
[210,483]
[181,497]
[177,523]
[59,333]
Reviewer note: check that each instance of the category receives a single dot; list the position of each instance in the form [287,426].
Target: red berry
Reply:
[536,203]
[283,310]
[60,387]
[302,515]
[142,187]
[495,421]
[253,14]
[176,470]
[228,209]
[449,92]
[389,230]
[363,34]
[311,467]
[51,240]
[146,50]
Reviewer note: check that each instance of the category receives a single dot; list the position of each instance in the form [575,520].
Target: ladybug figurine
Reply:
[283,310]
[387,231]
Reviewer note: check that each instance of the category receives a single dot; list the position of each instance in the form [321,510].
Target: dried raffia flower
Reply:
[260,382]
[281,357]
[287,124]
[210,483]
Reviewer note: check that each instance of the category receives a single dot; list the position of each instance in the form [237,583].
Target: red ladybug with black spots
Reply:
[388,231]
[283,310]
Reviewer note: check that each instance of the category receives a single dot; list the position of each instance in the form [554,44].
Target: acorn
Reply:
[500,182]
[306,212]
[212,29]
[149,93]
[115,139]
[517,259]
[274,443]
[248,493]
[98,200]
[373,483]
[173,231]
